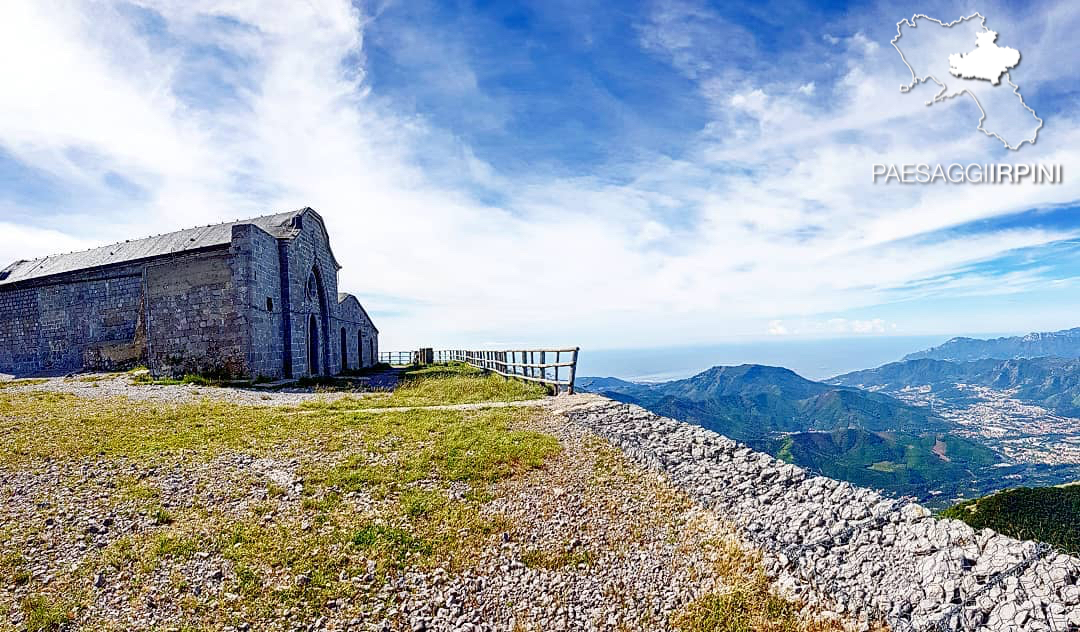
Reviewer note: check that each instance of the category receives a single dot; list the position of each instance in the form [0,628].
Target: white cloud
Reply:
[31,243]
[831,327]
[752,101]
[777,328]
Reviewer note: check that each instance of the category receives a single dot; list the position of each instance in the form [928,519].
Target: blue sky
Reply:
[594,173]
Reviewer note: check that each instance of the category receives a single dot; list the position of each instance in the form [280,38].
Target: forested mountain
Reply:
[747,401]
[1053,383]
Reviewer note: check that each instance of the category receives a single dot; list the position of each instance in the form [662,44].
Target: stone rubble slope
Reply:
[851,549]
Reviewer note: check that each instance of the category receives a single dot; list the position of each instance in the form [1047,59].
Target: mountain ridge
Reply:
[1050,382]
[1064,343]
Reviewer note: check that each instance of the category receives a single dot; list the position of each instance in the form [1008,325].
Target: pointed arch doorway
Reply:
[313,345]
[344,350]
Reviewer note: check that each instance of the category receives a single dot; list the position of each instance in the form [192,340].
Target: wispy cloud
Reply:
[164,114]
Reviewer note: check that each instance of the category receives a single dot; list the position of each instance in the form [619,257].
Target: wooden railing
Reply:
[398,358]
[554,367]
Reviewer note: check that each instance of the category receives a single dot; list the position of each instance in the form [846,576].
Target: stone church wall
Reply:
[307,252]
[362,339]
[90,317]
[257,270]
[194,321]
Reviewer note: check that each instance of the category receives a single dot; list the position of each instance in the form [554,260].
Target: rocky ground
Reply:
[850,549]
[336,530]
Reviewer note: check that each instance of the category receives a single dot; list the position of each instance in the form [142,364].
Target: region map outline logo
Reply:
[941,96]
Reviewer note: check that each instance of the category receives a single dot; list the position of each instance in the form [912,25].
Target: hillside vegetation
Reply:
[1046,514]
[904,463]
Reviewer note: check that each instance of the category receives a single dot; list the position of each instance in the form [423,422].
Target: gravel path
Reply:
[109,385]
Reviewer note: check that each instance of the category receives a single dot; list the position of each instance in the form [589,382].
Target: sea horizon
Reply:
[815,359]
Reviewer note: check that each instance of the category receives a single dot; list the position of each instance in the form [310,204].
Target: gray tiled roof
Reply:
[279,225]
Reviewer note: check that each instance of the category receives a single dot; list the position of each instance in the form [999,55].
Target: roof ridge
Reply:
[280,225]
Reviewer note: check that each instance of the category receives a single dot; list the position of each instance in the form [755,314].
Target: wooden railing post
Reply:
[558,361]
[573,371]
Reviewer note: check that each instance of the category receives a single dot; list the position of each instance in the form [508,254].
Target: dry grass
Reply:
[41,425]
[444,385]
[21,382]
[748,602]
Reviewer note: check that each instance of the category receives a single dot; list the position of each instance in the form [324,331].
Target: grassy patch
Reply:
[417,503]
[302,567]
[135,489]
[189,379]
[447,384]
[46,612]
[558,558]
[447,445]
[37,425]
[393,543]
[120,553]
[96,377]
[746,607]
[17,382]
[161,516]
[13,567]
[747,604]
[383,493]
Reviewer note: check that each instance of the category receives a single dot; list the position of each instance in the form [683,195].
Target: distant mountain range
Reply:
[913,427]
[748,401]
[1062,344]
[867,438]
[1052,382]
